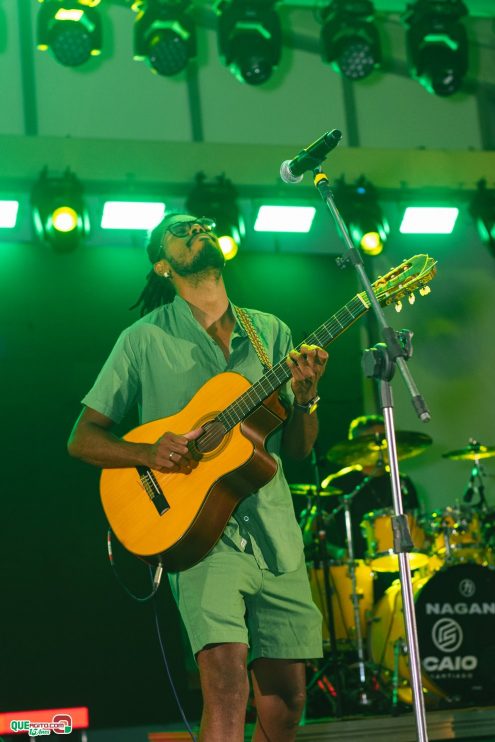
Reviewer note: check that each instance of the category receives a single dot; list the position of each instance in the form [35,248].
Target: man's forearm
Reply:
[100,447]
[300,434]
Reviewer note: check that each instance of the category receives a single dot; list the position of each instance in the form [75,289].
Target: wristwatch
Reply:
[310,406]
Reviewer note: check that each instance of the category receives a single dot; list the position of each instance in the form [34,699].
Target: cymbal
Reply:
[367,449]
[310,489]
[471,452]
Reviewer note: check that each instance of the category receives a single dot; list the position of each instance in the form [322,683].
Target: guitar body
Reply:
[200,503]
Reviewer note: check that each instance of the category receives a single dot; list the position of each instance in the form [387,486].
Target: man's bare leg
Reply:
[280,694]
[225,688]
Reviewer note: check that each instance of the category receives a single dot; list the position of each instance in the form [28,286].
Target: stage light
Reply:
[249,39]
[349,38]
[164,35]
[71,29]
[132,214]
[437,44]
[218,199]
[59,213]
[429,220]
[361,211]
[482,209]
[284,218]
[8,214]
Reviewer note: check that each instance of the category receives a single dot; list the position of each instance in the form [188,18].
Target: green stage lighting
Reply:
[218,199]
[164,35]
[437,44]
[361,211]
[482,209]
[249,39]
[59,213]
[349,38]
[71,29]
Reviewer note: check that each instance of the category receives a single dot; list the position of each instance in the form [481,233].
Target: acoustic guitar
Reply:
[176,518]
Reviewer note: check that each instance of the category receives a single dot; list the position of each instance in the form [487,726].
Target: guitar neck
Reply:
[280,373]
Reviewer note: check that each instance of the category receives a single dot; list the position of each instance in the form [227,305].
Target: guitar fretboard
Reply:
[280,373]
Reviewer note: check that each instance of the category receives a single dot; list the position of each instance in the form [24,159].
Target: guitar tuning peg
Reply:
[411,298]
[425,290]
[398,306]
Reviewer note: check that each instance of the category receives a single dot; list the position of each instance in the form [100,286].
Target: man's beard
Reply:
[210,257]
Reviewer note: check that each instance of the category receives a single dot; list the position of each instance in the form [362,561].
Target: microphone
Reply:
[292,171]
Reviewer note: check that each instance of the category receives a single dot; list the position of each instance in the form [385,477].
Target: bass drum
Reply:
[455,617]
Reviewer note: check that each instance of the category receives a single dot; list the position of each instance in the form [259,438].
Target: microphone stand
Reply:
[380,362]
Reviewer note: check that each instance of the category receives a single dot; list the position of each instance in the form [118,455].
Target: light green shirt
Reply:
[159,363]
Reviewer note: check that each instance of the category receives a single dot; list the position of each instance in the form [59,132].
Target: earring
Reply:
[167,274]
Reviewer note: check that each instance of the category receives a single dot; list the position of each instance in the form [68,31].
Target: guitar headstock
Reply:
[411,275]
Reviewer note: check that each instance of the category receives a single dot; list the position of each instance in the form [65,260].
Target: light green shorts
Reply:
[228,598]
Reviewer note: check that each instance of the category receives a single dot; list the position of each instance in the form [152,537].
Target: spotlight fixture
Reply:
[59,214]
[218,200]
[249,39]
[349,38]
[361,211]
[164,35]
[71,29]
[437,44]
[482,209]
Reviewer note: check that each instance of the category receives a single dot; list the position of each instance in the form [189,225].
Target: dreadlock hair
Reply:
[157,290]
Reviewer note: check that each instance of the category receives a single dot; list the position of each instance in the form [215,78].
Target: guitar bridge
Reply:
[153,489]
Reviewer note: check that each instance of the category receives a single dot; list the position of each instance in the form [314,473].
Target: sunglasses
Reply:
[183,229]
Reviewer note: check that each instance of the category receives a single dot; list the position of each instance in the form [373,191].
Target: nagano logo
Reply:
[447,635]
[60,724]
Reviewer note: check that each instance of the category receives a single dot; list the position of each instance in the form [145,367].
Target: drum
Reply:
[456,535]
[377,530]
[343,611]
[455,616]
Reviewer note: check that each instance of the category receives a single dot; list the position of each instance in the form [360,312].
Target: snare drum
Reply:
[377,530]
[342,606]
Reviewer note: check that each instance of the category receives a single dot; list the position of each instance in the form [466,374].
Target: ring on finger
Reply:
[171,455]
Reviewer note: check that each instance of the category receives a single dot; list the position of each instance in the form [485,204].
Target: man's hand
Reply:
[171,454]
[307,367]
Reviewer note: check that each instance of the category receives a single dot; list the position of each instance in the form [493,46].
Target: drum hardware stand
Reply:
[335,662]
[476,485]
[400,648]
[380,363]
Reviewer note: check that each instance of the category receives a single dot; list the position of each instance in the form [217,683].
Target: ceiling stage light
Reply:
[8,213]
[361,211]
[132,214]
[429,220]
[217,199]
[59,213]
[164,35]
[437,44]
[249,39]
[349,38]
[482,209]
[284,219]
[71,29]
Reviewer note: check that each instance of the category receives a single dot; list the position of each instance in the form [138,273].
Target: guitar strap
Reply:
[248,326]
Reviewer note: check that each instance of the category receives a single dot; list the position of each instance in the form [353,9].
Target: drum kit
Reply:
[453,568]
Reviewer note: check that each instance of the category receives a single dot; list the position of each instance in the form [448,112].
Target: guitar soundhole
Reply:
[214,433]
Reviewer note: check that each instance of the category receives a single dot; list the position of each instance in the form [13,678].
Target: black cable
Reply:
[169,674]
[156,583]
